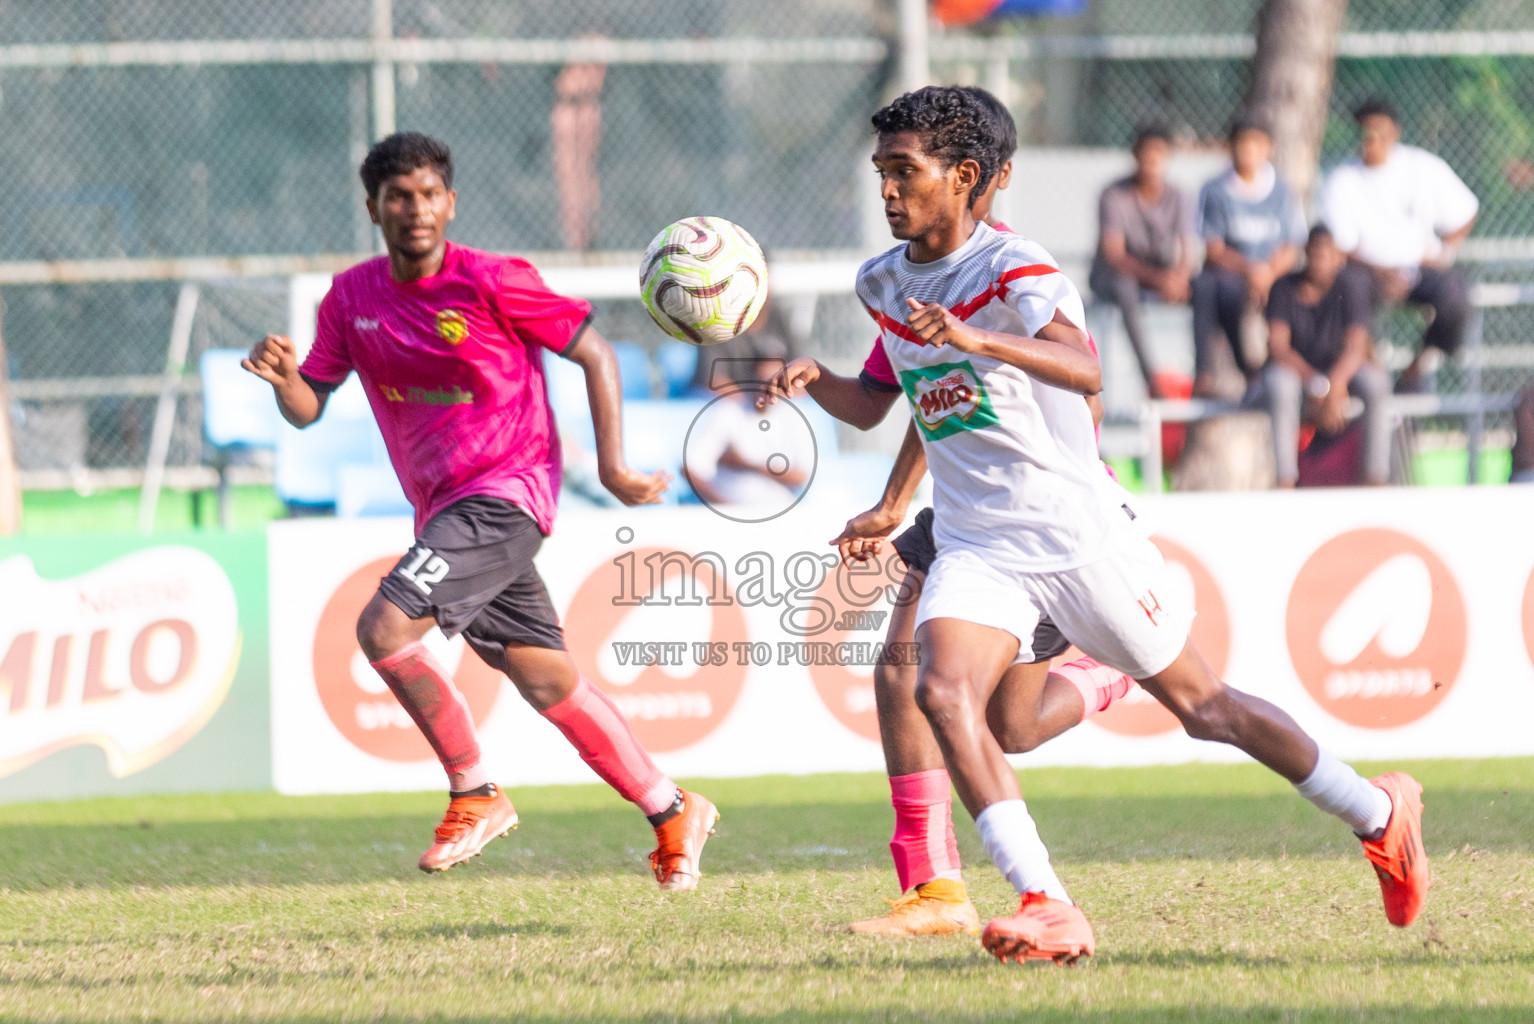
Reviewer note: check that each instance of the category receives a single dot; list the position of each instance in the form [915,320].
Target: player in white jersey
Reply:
[1033,703]
[981,330]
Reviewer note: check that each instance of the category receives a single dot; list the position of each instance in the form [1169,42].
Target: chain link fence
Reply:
[211,132]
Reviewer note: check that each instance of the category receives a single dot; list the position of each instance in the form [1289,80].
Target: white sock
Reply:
[1338,789]
[1012,840]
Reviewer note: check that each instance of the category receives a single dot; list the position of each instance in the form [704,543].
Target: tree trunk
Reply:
[10,484]
[1292,81]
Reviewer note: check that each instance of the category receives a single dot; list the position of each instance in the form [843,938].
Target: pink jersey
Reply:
[452,368]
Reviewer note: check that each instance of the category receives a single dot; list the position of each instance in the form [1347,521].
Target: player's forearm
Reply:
[848,400]
[604,394]
[298,402]
[910,466]
[1052,362]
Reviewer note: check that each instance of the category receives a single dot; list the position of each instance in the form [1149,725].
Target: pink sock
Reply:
[923,846]
[597,729]
[424,688]
[1100,685]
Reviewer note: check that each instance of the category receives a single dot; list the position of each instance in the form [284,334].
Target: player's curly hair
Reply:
[402,153]
[1002,124]
[954,125]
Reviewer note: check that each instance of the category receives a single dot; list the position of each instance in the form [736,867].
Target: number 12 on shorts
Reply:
[426,570]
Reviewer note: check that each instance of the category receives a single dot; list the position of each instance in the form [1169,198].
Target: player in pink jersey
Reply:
[980,328]
[448,342]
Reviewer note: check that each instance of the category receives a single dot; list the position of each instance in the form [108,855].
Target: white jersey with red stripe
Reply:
[1014,461]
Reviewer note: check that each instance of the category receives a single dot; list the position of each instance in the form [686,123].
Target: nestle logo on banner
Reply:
[134,656]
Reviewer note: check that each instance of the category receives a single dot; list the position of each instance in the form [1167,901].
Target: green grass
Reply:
[50,513]
[1450,467]
[1216,893]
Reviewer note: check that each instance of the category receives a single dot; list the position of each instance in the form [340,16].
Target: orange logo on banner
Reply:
[1376,628]
[1528,617]
[675,698]
[356,699]
[1138,713]
[860,611]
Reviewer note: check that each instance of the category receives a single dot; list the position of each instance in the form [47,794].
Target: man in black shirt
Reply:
[1319,353]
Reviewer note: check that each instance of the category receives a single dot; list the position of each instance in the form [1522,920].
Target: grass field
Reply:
[1216,893]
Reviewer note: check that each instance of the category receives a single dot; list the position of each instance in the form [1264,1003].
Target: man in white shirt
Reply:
[1402,212]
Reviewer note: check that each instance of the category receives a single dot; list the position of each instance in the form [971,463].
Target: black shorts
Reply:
[472,570]
[917,549]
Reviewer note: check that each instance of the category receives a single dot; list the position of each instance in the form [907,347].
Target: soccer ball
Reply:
[703,280]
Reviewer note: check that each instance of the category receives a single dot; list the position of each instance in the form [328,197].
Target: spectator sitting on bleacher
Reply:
[1319,352]
[1252,227]
[1402,212]
[1523,441]
[743,456]
[1144,242]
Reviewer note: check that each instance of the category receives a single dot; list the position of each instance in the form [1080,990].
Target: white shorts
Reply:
[1119,609]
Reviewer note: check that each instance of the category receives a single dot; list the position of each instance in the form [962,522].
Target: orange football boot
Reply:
[1398,856]
[1042,929]
[470,823]
[939,907]
[679,843]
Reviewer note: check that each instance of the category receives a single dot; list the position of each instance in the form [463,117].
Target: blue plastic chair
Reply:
[239,416]
[634,367]
[370,490]
[678,362]
[655,436]
[309,461]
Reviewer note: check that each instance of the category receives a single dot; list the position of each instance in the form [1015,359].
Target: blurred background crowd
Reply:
[1306,226]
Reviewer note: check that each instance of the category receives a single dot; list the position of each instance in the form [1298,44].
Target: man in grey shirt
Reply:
[1253,228]
[1144,242]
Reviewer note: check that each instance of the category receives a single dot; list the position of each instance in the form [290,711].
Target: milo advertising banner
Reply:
[132,665]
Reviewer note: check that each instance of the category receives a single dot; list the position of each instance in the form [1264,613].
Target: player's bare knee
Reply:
[894,680]
[379,630]
[373,634]
[1213,718]
[942,698]
[1014,737]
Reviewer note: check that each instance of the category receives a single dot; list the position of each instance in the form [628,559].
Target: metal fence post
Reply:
[1475,424]
[915,60]
[383,69]
[165,409]
[10,484]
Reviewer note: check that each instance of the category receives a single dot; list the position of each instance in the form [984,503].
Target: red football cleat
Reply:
[1042,929]
[470,823]
[1398,856]
[679,843]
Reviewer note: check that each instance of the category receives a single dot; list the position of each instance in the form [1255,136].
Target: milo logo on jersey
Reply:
[947,398]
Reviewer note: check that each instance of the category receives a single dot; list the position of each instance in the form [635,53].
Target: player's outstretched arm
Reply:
[1059,355]
[846,398]
[863,536]
[275,360]
[604,390]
